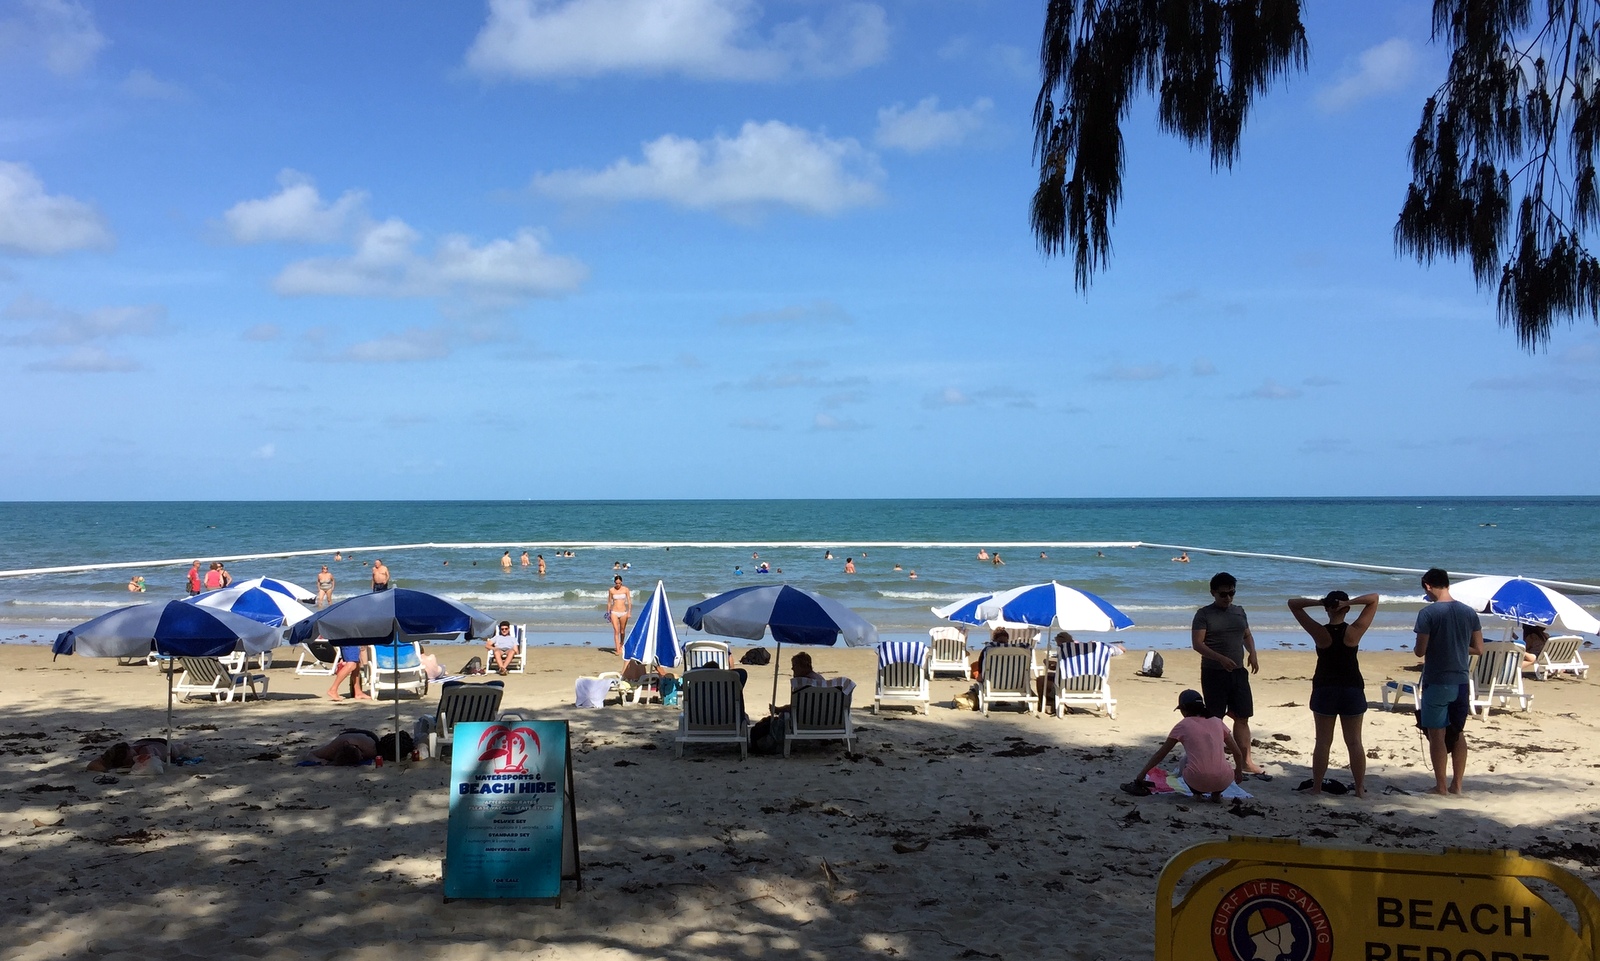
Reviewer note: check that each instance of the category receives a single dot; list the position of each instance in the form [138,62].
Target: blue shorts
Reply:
[1339,701]
[351,654]
[1446,706]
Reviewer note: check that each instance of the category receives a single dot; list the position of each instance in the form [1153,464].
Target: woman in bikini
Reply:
[619,604]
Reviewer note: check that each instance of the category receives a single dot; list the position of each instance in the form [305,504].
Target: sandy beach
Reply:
[946,836]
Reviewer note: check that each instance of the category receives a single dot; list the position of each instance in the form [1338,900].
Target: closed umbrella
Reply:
[175,629]
[394,617]
[653,641]
[1521,600]
[791,614]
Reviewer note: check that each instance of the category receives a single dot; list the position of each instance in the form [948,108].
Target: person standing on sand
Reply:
[194,579]
[351,657]
[1448,631]
[380,575]
[619,604]
[324,587]
[1221,635]
[1338,692]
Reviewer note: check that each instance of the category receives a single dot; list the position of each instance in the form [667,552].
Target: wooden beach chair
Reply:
[207,677]
[1007,676]
[1498,675]
[712,710]
[459,702]
[819,712]
[1560,656]
[949,652]
[1083,678]
[700,653]
[902,675]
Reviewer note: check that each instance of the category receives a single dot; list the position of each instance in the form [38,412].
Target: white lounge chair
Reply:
[459,702]
[712,710]
[395,669]
[318,658]
[635,683]
[1560,656]
[700,653]
[1008,674]
[207,677]
[1083,677]
[902,674]
[519,660]
[1497,674]
[949,652]
[819,712]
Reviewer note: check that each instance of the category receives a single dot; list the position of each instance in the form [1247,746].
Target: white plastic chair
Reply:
[392,669]
[711,704]
[902,675]
[949,652]
[1007,675]
[459,702]
[819,712]
[1498,675]
[700,653]
[1560,656]
[312,658]
[207,677]
[1083,677]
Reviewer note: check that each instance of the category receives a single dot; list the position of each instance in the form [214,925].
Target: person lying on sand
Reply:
[124,755]
[350,748]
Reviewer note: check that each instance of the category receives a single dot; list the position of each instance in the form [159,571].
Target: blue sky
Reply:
[716,248]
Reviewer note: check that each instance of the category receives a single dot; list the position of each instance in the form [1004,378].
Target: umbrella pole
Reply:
[776,660]
[394,690]
[169,711]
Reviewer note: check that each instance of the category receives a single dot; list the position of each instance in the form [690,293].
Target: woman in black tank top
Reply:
[1337,690]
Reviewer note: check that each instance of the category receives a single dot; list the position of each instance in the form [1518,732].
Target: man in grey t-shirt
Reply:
[1221,635]
[1448,631]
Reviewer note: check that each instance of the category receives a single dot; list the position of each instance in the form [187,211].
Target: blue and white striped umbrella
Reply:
[1054,605]
[257,603]
[653,641]
[964,611]
[175,628]
[277,586]
[1525,602]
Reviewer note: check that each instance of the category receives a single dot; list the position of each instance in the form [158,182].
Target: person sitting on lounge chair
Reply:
[503,646]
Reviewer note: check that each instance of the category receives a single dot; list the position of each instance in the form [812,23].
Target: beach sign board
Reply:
[513,829]
[1274,899]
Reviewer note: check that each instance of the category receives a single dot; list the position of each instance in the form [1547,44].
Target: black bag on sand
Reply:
[757,657]
[766,735]
[1153,665]
[386,746]
[474,665]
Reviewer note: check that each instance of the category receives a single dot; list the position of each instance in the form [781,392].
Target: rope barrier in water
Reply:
[780,545]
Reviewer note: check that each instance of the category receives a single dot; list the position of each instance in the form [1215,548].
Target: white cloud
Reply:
[1382,69]
[386,264]
[50,325]
[141,84]
[34,222]
[925,126]
[59,34]
[1202,367]
[262,333]
[87,360]
[1134,372]
[407,346]
[768,163]
[949,397]
[820,313]
[711,39]
[1272,390]
[297,212]
[265,452]
[827,422]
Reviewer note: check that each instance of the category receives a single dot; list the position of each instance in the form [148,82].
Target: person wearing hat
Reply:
[1338,692]
[1207,742]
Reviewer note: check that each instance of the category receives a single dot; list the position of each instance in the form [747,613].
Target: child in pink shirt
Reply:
[1207,742]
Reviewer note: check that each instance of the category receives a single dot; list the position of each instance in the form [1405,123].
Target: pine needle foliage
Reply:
[1503,162]
[1204,60]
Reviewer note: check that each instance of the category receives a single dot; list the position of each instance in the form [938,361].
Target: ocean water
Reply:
[695,546]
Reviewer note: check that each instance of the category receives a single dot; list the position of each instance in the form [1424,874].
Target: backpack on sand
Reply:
[1153,665]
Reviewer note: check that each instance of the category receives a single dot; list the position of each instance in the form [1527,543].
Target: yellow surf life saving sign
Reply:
[1274,900]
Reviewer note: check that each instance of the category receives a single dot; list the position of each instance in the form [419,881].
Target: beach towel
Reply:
[1085,659]
[592,691]
[1165,782]
[902,652]
[796,683]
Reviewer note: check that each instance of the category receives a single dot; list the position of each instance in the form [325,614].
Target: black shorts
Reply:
[1228,693]
[1339,701]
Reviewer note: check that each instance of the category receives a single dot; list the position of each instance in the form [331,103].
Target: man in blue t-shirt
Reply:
[1448,632]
